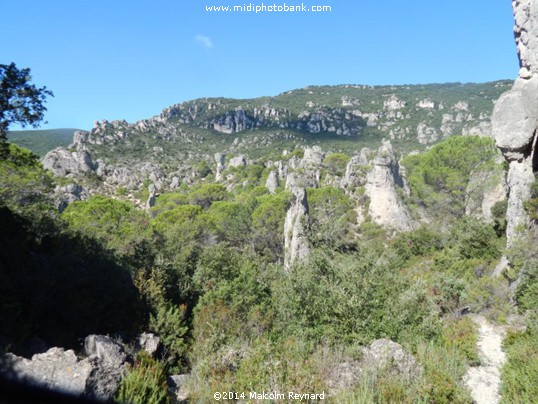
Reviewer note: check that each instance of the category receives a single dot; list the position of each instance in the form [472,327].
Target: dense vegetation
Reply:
[204,270]
[41,141]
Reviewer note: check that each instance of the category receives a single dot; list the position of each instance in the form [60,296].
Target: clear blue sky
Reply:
[121,59]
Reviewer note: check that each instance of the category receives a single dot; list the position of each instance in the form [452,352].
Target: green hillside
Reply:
[42,141]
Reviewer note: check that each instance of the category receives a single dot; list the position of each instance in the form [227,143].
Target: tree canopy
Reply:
[20,101]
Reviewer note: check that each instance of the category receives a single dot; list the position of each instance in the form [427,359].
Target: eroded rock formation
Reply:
[296,246]
[386,207]
[515,119]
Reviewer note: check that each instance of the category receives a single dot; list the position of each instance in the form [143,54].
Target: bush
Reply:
[353,298]
[520,373]
[144,383]
[439,177]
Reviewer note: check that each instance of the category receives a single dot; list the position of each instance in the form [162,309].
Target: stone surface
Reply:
[104,348]
[272,182]
[296,245]
[108,360]
[519,180]
[387,355]
[386,208]
[97,376]
[55,369]
[63,162]
[238,161]
[526,35]
[177,387]
[149,342]
[66,194]
[151,197]
[515,119]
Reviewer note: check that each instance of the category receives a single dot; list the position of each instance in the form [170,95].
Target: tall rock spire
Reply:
[515,118]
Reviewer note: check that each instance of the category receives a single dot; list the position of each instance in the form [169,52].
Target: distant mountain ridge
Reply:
[172,147]
[42,141]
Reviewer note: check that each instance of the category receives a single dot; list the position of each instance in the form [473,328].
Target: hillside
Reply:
[185,138]
[41,141]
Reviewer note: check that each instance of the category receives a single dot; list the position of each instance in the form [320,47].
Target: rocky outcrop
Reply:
[66,194]
[108,360]
[63,162]
[152,194]
[55,369]
[484,190]
[382,356]
[177,388]
[149,342]
[515,119]
[272,182]
[219,159]
[296,245]
[525,30]
[386,207]
[98,376]
[238,161]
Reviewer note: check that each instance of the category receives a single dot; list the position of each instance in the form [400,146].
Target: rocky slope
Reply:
[168,149]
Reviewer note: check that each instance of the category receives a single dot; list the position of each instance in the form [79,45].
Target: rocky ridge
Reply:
[167,148]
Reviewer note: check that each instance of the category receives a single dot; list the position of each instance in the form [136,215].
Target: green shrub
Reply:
[439,177]
[336,163]
[144,383]
[520,373]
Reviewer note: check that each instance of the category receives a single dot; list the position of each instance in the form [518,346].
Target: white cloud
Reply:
[204,40]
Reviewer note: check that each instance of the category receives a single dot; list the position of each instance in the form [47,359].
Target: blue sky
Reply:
[122,59]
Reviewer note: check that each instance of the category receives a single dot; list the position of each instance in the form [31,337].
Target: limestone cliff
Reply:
[515,118]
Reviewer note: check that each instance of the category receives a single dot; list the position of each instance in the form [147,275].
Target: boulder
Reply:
[177,388]
[149,342]
[98,376]
[55,369]
[239,161]
[389,356]
[63,162]
[105,349]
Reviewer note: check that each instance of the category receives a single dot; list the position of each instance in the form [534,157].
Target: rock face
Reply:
[98,376]
[108,359]
[386,208]
[55,369]
[526,28]
[272,182]
[67,194]
[295,230]
[63,162]
[515,119]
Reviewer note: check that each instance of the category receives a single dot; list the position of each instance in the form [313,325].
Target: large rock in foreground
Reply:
[98,376]
[515,119]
